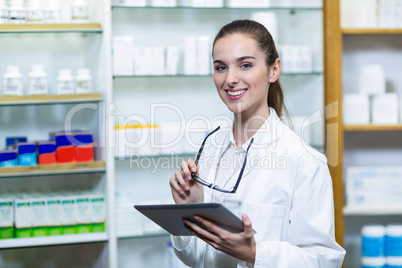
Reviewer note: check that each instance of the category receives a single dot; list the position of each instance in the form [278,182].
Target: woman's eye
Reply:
[220,68]
[245,66]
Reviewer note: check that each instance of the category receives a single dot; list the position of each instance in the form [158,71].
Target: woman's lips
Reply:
[235,94]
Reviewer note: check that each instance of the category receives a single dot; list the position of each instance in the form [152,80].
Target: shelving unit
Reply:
[50,99]
[134,94]
[51,28]
[348,145]
[53,240]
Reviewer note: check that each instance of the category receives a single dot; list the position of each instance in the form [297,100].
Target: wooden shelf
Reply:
[52,240]
[49,99]
[373,210]
[372,31]
[56,169]
[51,28]
[372,127]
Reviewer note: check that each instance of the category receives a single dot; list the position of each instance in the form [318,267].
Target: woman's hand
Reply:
[239,245]
[184,188]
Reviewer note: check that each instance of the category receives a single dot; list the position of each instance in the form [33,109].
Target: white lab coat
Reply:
[286,191]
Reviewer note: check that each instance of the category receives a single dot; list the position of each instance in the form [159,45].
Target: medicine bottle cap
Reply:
[65,72]
[375,261]
[394,230]
[373,230]
[37,67]
[84,71]
[12,69]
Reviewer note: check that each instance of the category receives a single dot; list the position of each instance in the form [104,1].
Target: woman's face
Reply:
[241,75]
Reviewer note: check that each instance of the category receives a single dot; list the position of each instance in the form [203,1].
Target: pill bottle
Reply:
[84,81]
[393,240]
[377,262]
[373,240]
[18,13]
[12,82]
[80,11]
[65,82]
[38,80]
[4,12]
[35,12]
[53,12]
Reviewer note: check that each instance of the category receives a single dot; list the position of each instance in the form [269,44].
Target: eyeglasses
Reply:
[214,186]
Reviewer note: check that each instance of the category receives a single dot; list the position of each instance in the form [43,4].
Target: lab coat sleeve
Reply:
[184,248]
[310,242]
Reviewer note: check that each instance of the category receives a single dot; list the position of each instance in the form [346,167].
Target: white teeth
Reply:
[236,93]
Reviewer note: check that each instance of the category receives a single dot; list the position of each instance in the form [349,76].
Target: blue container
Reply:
[8,158]
[27,155]
[373,241]
[393,241]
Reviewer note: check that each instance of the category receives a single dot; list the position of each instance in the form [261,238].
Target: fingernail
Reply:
[189,178]
[181,192]
[197,218]
[193,169]
[186,188]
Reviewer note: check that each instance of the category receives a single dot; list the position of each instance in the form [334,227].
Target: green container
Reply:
[69,229]
[84,228]
[39,231]
[6,232]
[54,230]
[98,227]
[23,232]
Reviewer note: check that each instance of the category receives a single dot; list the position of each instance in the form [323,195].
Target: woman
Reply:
[284,193]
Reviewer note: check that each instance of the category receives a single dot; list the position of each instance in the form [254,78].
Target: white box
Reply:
[372,79]
[158,61]
[203,55]
[6,211]
[54,209]
[249,3]
[163,3]
[356,109]
[98,208]
[359,14]
[172,60]
[201,3]
[68,209]
[123,53]
[269,20]
[22,212]
[139,61]
[189,55]
[384,109]
[130,3]
[39,212]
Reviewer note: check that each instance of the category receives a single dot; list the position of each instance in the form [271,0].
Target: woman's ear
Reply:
[275,71]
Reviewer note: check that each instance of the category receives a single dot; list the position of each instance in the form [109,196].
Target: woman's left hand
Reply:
[239,245]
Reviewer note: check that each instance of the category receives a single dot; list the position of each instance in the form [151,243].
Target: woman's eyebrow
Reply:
[238,60]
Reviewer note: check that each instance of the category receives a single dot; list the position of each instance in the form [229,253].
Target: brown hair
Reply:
[267,45]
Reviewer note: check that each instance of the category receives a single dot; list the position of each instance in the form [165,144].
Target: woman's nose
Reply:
[232,78]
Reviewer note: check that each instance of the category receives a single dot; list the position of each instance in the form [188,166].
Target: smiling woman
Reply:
[290,206]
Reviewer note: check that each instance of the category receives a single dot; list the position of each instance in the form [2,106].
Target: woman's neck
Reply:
[245,126]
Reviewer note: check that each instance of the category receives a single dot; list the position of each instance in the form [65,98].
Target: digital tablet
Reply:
[169,217]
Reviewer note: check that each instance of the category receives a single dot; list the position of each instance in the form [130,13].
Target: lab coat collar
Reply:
[268,133]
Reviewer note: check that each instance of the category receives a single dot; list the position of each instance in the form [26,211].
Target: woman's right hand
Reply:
[184,188]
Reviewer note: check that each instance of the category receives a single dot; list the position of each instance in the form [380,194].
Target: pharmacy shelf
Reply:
[51,28]
[372,127]
[146,235]
[373,210]
[56,169]
[50,99]
[290,8]
[208,75]
[53,240]
[171,156]
[372,31]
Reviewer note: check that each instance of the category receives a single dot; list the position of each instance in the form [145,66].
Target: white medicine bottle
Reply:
[12,82]
[35,12]
[80,11]
[65,82]
[84,81]
[18,13]
[4,12]
[38,80]
[53,12]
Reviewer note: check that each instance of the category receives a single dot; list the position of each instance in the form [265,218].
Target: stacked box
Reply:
[64,147]
[6,217]
[27,154]
[84,148]
[22,214]
[47,152]
[367,186]
[54,214]
[83,213]
[39,215]
[9,158]
[98,212]
[68,213]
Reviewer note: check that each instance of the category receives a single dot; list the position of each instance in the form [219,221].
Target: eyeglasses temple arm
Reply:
[243,167]
[203,143]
